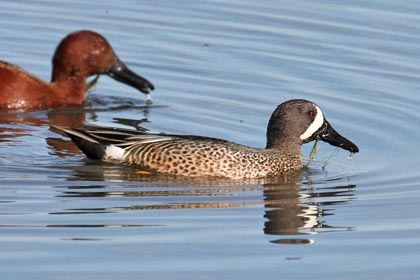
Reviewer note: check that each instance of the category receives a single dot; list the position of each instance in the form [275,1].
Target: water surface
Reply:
[220,69]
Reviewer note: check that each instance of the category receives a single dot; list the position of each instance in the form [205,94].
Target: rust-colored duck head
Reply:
[88,53]
[79,55]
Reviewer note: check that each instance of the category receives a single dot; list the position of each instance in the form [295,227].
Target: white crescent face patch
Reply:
[315,125]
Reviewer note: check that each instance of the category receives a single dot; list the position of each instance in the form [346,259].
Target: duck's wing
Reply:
[119,135]
[112,143]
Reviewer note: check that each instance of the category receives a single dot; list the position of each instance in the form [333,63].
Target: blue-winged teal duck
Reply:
[292,124]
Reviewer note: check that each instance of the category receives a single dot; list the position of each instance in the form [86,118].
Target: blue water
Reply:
[220,69]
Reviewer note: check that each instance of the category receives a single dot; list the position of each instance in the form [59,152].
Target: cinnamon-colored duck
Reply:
[79,55]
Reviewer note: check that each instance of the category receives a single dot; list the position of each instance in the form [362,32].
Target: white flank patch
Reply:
[113,152]
[315,125]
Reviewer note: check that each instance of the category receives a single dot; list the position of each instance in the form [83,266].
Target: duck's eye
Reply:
[97,48]
[311,114]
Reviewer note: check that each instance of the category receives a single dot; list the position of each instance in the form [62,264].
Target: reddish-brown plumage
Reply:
[78,56]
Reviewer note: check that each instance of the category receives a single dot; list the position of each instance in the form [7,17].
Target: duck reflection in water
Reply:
[19,124]
[300,209]
[13,126]
[293,205]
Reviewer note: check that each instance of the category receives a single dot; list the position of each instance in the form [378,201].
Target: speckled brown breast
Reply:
[201,158]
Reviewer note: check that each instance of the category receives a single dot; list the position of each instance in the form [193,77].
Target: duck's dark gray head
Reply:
[299,121]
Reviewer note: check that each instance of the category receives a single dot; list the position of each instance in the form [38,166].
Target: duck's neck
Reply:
[287,145]
[72,89]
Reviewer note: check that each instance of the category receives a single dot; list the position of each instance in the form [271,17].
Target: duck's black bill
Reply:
[332,137]
[120,72]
